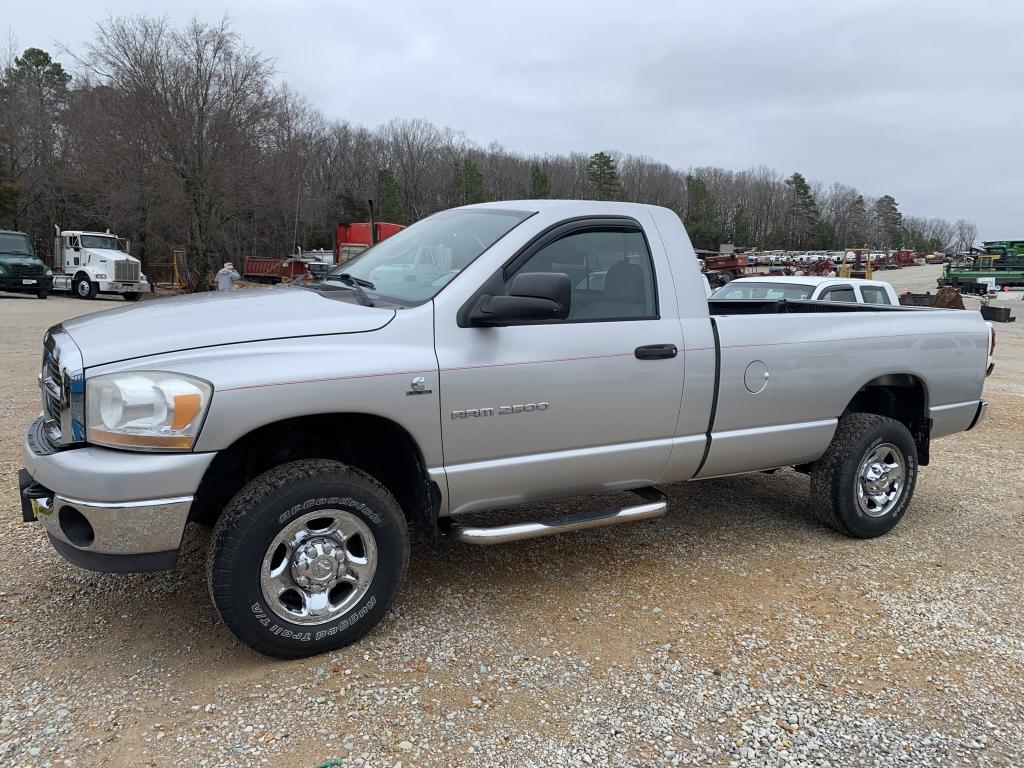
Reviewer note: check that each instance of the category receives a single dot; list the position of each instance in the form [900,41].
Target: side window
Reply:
[610,271]
[874,295]
[840,294]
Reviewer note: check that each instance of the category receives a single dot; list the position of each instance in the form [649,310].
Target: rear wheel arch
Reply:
[899,396]
[373,444]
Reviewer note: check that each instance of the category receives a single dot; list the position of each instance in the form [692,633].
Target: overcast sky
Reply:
[923,100]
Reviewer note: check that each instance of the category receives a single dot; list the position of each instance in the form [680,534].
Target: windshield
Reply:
[413,265]
[771,291]
[101,241]
[15,243]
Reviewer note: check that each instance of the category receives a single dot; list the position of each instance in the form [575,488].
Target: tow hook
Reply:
[34,497]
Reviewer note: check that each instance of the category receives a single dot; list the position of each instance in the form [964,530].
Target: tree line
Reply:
[181,138]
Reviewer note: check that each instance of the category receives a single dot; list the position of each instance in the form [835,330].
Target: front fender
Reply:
[263,382]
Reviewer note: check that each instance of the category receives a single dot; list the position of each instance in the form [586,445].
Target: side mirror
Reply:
[533,297]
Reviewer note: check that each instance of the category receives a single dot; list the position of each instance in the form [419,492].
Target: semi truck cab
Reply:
[91,263]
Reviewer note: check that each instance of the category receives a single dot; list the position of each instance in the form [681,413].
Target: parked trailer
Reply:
[260,269]
[734,265]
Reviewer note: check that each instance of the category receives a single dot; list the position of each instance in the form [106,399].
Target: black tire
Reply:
[132,296]
[42,294]
[836,476]
[84,287]
[263,509]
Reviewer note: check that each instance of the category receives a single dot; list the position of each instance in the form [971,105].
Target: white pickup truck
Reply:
[569,350]
[809,288]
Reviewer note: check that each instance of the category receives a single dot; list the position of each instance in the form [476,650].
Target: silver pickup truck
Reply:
[485,357]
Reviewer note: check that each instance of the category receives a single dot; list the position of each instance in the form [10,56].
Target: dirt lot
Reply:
[734,630]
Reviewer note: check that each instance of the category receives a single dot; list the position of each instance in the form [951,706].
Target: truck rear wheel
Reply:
[307,557]
[863,484]
[84,287]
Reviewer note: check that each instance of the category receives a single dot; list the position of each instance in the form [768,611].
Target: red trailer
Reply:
[352,239]
[734,265]
[267,270]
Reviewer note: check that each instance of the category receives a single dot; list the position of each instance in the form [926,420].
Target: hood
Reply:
[21,259]
[211,319]
[110,254]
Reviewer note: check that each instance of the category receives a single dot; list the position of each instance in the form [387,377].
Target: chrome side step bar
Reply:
[655,506]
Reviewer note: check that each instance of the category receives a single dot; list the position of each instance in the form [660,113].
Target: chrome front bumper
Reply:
[109,510]
[122,286]
[125,528]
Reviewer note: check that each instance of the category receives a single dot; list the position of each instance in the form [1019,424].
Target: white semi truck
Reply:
[90,263]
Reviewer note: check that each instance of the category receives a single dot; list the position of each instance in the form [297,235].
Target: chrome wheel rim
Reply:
[83,288]
[880,480]
[318,567]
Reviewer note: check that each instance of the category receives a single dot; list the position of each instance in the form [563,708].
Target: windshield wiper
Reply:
[357,280]
[356,284]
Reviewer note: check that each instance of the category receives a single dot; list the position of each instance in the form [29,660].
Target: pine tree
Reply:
[540,184]
[10,192]
[36,68]
[701,223]
[468,184]
[888,221]
[389,200]
[858,224]
[805,217]
[604,177]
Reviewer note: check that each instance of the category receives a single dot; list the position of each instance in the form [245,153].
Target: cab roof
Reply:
[814,280]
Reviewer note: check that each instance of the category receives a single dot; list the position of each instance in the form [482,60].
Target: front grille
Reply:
[63,388]
[126,271]
[52,385]
[26,270]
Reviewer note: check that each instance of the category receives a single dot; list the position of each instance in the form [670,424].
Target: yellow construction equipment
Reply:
[854,270]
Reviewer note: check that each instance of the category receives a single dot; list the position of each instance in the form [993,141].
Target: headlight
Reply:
[49,272]
[101,275]
[147,410]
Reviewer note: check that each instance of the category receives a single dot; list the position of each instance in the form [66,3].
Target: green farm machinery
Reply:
[1003,261]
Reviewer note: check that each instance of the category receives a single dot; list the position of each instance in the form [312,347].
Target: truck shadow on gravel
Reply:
[168,616]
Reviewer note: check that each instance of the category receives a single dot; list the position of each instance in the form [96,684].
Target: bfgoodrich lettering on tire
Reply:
[307,557]
[865,481]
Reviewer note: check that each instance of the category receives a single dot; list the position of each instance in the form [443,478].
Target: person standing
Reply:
[227,277]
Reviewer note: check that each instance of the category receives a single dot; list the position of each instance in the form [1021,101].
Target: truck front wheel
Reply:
[84,287]
[132,296]
[42,293]
[307,557]
[865,481]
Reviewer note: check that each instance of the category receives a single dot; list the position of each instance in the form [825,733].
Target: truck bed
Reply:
[796,307]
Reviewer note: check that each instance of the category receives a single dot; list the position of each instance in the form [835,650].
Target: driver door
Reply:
[537,410]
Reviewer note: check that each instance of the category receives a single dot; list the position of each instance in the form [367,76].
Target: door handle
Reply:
[656,352]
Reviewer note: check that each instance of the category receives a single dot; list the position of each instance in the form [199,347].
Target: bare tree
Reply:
[966,235]
[202,100]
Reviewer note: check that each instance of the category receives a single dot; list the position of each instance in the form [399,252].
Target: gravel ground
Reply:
[733,631]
